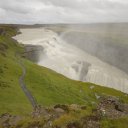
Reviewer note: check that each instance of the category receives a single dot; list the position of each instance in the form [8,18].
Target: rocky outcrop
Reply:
[32,52]
[2,32]
[111,107]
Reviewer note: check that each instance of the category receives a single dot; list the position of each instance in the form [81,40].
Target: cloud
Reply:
[63,11]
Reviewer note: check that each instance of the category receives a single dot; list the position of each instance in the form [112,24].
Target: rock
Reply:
[59,110]
[92,124]
[5,116]
[126,108]
[112,108]
[83,107]
[122,108]
[32,52]
[2,31]
[74,107]
[64,107]
[119,107]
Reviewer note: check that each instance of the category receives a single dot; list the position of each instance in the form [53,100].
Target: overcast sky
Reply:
[63,11]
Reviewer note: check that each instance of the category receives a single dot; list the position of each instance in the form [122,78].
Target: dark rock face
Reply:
[33,52]
[112,108]
[1,31]
[122,108]
[119,107]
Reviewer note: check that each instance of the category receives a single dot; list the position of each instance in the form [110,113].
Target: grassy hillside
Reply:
[48,87]
[51,88]
[12,99]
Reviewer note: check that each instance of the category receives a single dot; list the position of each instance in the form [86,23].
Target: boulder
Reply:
[74,107]
[64,107]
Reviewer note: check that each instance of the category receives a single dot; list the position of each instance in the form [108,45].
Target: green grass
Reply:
[48,87]
[12,99]
[115,123]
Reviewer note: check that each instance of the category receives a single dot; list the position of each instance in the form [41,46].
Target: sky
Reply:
[63,11]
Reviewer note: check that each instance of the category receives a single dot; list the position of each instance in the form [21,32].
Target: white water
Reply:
[72,61]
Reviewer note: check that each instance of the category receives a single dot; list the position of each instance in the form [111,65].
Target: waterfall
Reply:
[71,61]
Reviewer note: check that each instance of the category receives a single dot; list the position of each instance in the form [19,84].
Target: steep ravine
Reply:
[71,61]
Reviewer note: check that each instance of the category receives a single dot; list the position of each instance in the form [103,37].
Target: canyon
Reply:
[77,55]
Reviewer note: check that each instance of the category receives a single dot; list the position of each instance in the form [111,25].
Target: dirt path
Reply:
[23,85]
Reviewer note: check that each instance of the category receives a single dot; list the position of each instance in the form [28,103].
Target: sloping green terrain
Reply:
[50,88]
[47,87]
[12,99]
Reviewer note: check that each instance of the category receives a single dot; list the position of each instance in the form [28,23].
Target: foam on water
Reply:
[71,61]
